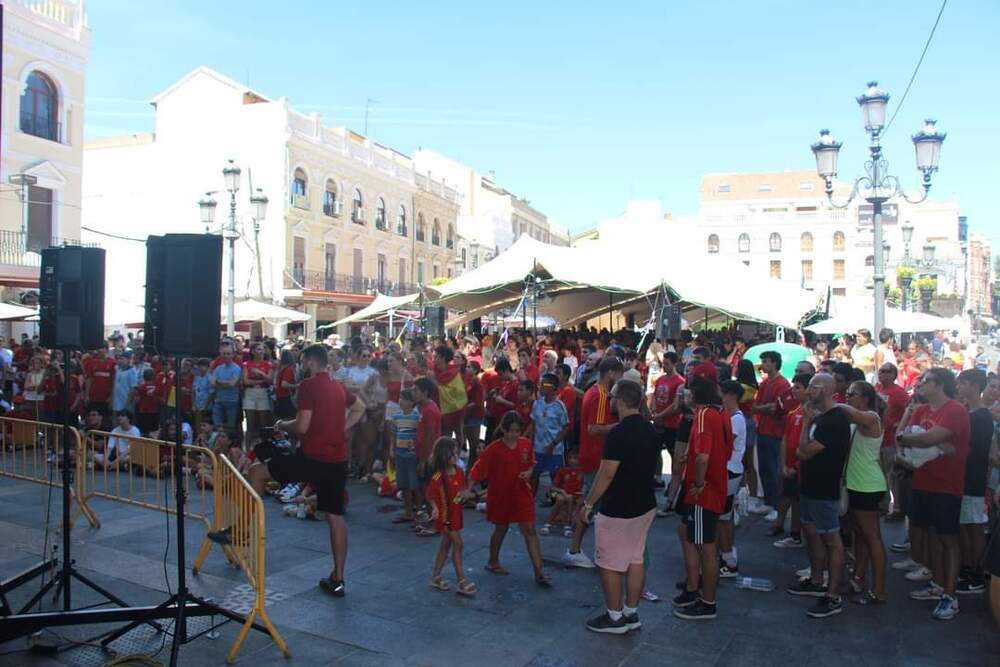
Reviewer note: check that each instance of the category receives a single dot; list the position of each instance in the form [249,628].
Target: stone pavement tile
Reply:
[581,647]
[745,650]
[654,655]
[307,649]
[520,627]
[364,658]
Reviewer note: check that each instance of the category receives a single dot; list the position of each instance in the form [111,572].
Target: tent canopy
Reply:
[381,304]
[11,311]
[585,281]
[252,310]
[900,321]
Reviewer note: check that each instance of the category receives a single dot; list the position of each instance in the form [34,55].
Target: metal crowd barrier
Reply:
[31,450]
[239,509]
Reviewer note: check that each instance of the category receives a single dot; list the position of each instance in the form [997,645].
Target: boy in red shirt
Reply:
[146,397]
[567,490]
[428,432]
[500,389]
[790,469]
[525,397]
[99,374]
[667,415]
[706,480]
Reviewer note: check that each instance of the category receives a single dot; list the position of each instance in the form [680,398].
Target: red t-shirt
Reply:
[511,499]
[101,373]
[443,492]
[945,474]
[147,397]
[474,390]
[255,380]
[531,373]
[287,374]
[712,434]
[896,399]
[569,480]
[524,412]
[325,440]
[596,410]
[52,388]
[428,428]
[664,394]
[793,429]
[775,390]
[567,395]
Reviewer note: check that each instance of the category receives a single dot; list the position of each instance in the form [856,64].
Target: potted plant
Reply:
[926,286]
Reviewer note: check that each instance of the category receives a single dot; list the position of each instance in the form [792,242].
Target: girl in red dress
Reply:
[506,466]
[446,493]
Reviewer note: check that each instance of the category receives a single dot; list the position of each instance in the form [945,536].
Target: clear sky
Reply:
[580,106]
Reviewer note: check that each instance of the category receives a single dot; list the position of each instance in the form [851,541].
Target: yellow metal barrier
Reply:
[30,450]
[239,509]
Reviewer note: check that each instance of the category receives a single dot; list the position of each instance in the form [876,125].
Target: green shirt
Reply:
[864,469]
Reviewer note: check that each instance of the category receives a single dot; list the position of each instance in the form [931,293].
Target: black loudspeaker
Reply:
[476,326]
[71,298]
[434,320]
[183,294]
[670,323]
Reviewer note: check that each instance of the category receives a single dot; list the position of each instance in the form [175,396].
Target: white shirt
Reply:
[735,463]
[120,445]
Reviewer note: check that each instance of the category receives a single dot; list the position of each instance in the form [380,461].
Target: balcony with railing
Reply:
[300,201]
[380,222]
[358,215]
[17,249]
[41,126]
[320,281]
[401,230]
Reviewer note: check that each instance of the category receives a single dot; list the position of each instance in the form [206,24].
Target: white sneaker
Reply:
[545,530]
[480,507]
[771,516]
[789,543]
[760,509]
[804,573]
[907,564]
[289,510]
[946,609]
[578,559]
[919,573]
[300,511]
[929,592]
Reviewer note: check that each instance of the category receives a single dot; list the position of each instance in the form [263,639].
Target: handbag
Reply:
[844,497]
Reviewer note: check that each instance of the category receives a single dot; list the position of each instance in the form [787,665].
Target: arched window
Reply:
[870,260]
[744,242]
[806,243]
[838,241]
[40,107]
[401,222]
[358,210]
[450,239]
[421,227]
[436,232]
[331,206]
[774,242]
[380,221]
[713,243]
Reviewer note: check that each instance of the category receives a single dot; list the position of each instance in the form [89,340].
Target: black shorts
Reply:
[668,438]
[938,511]
[680,507]
[862,501]
[701,524]
[328,479]
[790,487]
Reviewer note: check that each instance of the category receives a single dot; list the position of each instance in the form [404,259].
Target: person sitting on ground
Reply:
[115,455]
[567,488]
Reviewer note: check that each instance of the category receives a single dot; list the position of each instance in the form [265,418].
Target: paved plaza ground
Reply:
[391,617]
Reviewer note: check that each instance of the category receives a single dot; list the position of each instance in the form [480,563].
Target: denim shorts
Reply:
[824,515]
[548,463]
[406,470]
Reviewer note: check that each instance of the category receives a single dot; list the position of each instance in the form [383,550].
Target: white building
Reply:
[782,225]
[347,216]
[491,218]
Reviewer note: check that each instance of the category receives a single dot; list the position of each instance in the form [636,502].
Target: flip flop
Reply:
[496,569]
[466,588]
[440,584]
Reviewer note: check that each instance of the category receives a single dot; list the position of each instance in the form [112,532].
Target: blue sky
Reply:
[580,106]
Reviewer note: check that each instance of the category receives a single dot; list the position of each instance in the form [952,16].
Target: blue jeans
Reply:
[225,414]
[768,453]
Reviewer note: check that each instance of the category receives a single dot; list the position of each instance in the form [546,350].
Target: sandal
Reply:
[868,598]
[439,583]
[496,569]
[544,581]
[425,532]
[466,588]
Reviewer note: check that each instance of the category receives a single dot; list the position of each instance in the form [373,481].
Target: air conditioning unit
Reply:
[300,201]
[358,215]
[336,207]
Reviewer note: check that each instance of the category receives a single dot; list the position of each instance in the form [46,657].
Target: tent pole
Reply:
[390,324]
[611,307]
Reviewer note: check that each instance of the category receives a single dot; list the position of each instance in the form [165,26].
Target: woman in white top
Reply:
[732,391]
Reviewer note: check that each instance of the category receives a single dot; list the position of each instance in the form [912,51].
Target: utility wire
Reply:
[916,69]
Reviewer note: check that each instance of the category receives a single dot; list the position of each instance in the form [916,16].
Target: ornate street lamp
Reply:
[206,206]
[878,184]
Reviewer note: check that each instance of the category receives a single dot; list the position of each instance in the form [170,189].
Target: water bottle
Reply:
[755,584]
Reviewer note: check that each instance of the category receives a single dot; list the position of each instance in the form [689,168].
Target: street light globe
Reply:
[907,229]
[873,103]
[929,253]
[826,150]
[206,206]
[259,202]
[231,174]
[927,143]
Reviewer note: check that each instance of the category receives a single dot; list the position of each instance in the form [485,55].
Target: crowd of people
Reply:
[609,430]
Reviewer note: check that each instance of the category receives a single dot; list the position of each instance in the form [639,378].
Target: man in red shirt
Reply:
[99,381]
[500,389]
[706,481]
[667,419]
[938,485]
[596,420]
[773,402]
[325,412]
[794,422]
[896,399]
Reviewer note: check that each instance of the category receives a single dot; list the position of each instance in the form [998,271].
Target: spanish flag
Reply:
[451,389]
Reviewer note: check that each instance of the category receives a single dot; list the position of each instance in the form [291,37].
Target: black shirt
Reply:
[634,444]
[977,463]
[821,474]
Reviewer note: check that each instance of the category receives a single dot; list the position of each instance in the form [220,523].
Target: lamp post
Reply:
[258,200]
[878,184]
